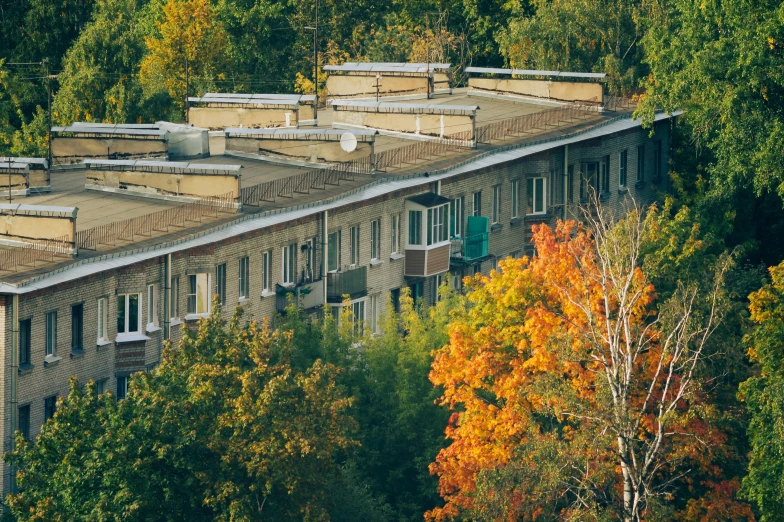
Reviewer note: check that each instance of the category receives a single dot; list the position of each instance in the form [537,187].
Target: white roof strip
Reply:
[277,97]
[260,221]
[182,166]
[13,208]
[527,72]
[392,106]
[84,129]
[115,125]
[386,67]
[28,161]
[287,102]
[12,165]
[299,132]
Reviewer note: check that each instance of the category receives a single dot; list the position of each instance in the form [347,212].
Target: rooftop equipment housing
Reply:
[218,111]
[24,176]
[388,80]
[550,86]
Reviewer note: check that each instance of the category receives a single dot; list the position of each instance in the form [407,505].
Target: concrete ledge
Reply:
[530,100]
[149,195]
[279,161]
[408,136]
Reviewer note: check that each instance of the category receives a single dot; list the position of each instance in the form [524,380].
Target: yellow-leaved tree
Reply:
[189,34]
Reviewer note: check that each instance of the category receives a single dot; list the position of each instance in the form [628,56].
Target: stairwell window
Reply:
[77,328]
[375,239]
[456,217]
[395,234]
[266,271]
[129,318]
[536,192]
[51,334]
[515,198]
[152,306]
[102,320]
[333,257]
[244,269]
[353,245]
[220,282]
[198,294]
[289,263]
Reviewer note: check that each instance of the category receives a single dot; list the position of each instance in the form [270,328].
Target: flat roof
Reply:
[183,167]
[110,129]
[528,72]
[391,106]
[230,100]
[287,97]
[386,67]
[303,134]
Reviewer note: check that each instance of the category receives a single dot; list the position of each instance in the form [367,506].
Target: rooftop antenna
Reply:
[377,85]
[315,57]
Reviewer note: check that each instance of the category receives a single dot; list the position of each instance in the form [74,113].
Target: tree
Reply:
[576,392]
[224,429]
[188,35]
[764,395]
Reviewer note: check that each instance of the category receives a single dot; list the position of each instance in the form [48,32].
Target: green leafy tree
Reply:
[224,429]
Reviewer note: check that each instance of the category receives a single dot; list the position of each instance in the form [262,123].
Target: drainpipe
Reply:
[14,375]
[325,242]
[166,297]
[566,179]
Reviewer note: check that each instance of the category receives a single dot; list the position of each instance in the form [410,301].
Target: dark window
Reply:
[657,160]
[622,168]
[122,387]
[77,327]
[220,282]
[24,341]
[414,227]
[395,295]
[641,163]
[50,407]
[477,208]
[100,387]
[571,183]
[244,286]
[605,175]
[24,421]
[417,292]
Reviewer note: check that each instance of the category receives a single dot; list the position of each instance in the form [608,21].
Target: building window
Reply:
[174,295]
[456,217]
[266,271]
[122,387]
[51,333]
[657,160]
[50,407]
[77,327]
[310,259]
[496,203]
[622,167]
[220,283]
[358,309]
[128,317]
[198,294]
[152,306]
[100,386]
[477,208]
[435,284]
[333,245]
[103,317]
[553,183]
[374,326]
[414,227]
[244,289]
[605,179]
[436,224]
[641,163]
[395,234]
[353,245]
[375,239]
[590,176]
[289,263]
[25,330]
[24,421]
[417,292]
[570,181]
[536,192]
[515,198]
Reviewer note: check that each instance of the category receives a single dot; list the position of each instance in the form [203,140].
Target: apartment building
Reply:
[135,248]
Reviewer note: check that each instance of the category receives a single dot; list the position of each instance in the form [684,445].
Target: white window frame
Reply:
[395,230]
[476,209]
[127,333]
[334,251]
[103,317]
[220,282]
[438,225]
[531,194]
[152,307]
[375,240]
[515,198]
[207,279]
[353,245]
[243,279]
[288,265]
[456,217]
[359,318]
[496,218]
[174,298]
[51,333]
[266,273]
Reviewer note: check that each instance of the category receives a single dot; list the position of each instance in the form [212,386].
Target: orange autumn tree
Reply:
[576,394]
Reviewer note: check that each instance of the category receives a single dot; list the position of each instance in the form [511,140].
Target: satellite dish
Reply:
[348,142]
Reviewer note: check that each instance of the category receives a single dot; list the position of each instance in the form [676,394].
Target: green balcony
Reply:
[475,245]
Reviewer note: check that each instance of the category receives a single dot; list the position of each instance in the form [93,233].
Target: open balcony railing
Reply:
[306,295]
[351,282]
[470,248]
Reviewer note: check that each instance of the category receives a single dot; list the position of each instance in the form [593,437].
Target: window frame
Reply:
[102,311]
[515,207]
[122,387]
[374,323]
[25,341]
[126,316]
[333,251]
[24,421]
[623,168]
[243,283]
[354,241]
[220,282]
[51,334]
[266,271]
[50,407]
[476,203]
[288,265]
[604,177]
[77,331]
[152,306]
[641,163]
[552,181]
[310,259]
[531,189]
[570,182]
[496,210]
[375,240]
[415,227]
[395,229]
[174,294]
[456,217]
[359,318]
[657,159]
[193,284]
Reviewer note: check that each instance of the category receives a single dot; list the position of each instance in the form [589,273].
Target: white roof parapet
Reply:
[302,134]
[417,108]
[167,167]
[37,210]
[27,161]
[527,72]
[115,125]
[290,101]
[387,67]
[110,130]
[6,165]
